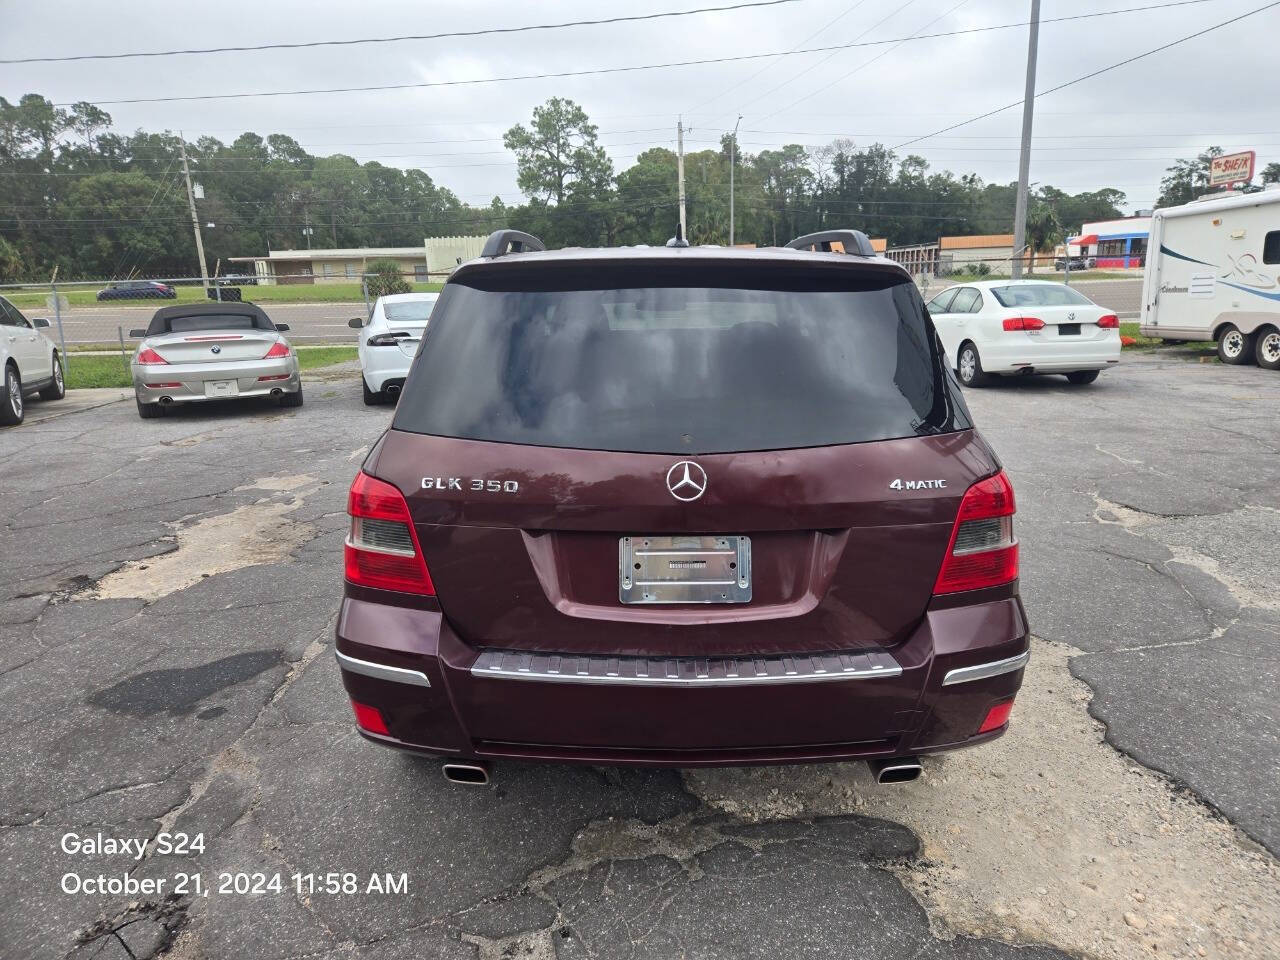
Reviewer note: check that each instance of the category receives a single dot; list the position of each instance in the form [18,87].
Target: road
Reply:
[167,599]
[307,321]
[316,322]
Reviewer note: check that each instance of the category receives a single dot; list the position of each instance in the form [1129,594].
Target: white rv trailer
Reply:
[1213,273]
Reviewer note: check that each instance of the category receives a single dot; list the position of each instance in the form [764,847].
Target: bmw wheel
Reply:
[11,402]
[969,366]
[58,389]
[1235,347]
[1269,349]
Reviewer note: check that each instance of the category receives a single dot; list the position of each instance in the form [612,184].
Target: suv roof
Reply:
[512,247]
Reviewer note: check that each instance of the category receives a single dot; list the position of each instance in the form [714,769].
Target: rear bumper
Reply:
[382,366]
[439,696]
[1062,355]
[185,383]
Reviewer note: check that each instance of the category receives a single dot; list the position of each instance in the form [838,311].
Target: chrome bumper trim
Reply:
[984,670]
[381,671]
[684,671]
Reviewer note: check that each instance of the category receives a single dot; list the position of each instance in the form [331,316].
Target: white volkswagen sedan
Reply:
[1001,327]
[389,341]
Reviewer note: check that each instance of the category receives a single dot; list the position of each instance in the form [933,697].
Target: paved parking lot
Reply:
[167,594]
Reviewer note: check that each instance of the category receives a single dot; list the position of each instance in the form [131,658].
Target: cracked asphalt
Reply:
[167,595]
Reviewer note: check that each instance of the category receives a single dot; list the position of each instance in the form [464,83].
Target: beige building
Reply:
[431,262]
[956,254]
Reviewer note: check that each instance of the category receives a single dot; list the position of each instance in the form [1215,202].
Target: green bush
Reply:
[383,278]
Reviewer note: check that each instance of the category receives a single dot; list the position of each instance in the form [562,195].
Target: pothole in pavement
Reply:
[1047,835]
[256,533]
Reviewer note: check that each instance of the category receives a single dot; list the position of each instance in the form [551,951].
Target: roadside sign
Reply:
[1231,169]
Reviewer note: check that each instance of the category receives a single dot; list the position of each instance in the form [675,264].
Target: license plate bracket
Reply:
[221,388]
[684,569]
[1068,329]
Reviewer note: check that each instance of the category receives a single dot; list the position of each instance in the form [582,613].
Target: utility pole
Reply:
[733,162]
[1024,160]
[195,220]
[684,230]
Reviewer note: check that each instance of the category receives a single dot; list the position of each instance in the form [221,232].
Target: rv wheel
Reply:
[1233,346]
[1269,348]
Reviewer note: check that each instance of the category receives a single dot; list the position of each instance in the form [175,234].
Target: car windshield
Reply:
[1039,295]
[408,311]
[734,362]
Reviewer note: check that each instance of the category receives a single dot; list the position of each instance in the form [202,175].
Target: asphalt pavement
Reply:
[167,599]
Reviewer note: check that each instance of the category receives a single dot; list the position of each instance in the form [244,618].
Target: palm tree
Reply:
[1043,230]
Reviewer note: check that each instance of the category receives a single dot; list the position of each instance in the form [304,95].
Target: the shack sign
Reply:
[1232,169]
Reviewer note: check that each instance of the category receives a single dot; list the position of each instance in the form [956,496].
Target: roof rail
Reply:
[502,242]
[855,242]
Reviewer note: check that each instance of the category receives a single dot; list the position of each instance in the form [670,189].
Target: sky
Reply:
[1120,129]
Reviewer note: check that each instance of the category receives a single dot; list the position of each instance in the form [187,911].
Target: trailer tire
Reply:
[1268,348]
[1235,347]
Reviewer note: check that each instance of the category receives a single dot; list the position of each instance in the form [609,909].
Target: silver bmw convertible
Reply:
[213,351]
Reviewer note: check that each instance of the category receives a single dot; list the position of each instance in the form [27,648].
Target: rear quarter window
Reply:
[680,359]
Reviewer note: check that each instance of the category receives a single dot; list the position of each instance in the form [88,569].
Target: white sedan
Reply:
[389,341]
[1024,327]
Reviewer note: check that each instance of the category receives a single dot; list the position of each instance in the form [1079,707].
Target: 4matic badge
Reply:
[900,484]
[475,484]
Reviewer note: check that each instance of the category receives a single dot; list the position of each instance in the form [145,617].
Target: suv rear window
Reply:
[680,359]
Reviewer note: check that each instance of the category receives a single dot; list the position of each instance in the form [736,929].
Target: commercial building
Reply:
[1114,243]
[433,261]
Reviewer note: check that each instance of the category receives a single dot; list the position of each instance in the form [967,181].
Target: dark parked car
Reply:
[1077,263]
[685,506]
[138,290]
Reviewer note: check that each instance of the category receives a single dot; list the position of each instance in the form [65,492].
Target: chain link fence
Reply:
[99,314]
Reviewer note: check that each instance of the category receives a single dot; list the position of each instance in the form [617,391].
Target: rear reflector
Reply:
[982,551]
[274,376]
[277,351]
[1109,322]
[382,550]
[369,718]
[997,717]
[1023,323]
[149,356]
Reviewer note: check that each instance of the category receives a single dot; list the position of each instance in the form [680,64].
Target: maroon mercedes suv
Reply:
[681,506]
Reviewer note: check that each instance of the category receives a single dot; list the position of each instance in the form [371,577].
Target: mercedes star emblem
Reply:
[687,481]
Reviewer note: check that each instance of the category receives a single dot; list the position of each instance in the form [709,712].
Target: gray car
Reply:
[213,351]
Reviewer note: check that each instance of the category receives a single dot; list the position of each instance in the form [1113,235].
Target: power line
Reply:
[601,71]
[1095,73]
[397,39]
[822,29]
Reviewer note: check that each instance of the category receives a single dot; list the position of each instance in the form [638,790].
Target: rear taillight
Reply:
[382,550]
[369,718]
[1109,322]
[277,350]
[149,356]
[996,718]
[1012,324]
[982,551]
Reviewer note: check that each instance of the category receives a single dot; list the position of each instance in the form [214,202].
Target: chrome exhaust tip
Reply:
[276,393]
[165,401]
[896,769]
[393,391]
[468,774]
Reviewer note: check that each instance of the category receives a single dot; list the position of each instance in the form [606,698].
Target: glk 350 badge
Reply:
[474,484]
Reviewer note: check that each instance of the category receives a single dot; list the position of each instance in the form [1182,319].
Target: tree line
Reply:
[96,203]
